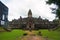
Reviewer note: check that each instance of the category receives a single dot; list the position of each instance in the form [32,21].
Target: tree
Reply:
[57,12]
[56,2]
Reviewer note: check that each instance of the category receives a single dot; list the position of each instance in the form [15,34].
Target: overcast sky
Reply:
[19,8]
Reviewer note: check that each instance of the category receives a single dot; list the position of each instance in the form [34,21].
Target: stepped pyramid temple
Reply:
[31,23]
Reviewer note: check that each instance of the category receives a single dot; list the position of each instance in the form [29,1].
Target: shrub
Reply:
[24,34]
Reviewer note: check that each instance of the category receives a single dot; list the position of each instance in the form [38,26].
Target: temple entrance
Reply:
[29,26]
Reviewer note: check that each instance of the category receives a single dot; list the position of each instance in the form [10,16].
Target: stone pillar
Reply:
[32,27]
[27,26]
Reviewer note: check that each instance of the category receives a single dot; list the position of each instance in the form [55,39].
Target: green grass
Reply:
[11,35]
[1,29]
[54,35]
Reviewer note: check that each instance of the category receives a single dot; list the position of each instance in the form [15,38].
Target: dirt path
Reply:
[32,38]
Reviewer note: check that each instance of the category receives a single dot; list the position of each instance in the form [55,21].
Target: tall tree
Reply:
[56,2]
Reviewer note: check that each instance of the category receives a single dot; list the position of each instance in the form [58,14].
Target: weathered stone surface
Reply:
[32,23]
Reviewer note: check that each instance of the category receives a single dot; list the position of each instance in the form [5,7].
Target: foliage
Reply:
[57,2]
[39,33]
[25,34]
[58,13]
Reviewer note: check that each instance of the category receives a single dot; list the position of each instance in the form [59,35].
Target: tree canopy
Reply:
[56,2]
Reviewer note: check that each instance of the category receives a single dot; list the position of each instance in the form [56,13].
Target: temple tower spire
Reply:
[29,13]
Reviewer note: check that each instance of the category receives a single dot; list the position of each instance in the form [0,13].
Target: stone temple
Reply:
[31,23]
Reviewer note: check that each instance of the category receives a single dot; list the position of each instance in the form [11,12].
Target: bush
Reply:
[24,34]
[39,33]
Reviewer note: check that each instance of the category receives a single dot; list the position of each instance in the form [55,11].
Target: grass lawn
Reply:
[54,35]
[11,35]
[1,28]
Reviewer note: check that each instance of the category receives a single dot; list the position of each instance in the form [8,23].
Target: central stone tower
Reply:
[29,14]
[30,24]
